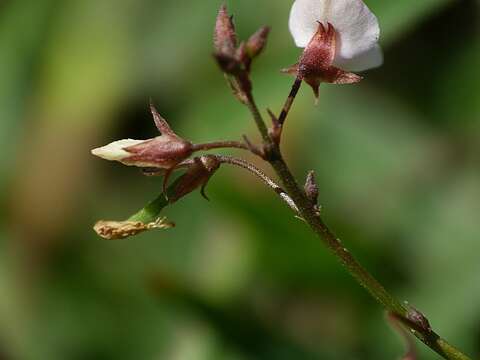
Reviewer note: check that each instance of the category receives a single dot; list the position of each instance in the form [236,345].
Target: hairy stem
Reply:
[220,145]
[247,145]
[261,175]
[310,215]
[257,117]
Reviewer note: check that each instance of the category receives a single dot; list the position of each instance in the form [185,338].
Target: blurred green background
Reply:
[397,158]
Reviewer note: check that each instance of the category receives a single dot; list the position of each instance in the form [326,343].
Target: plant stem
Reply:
[257,117]
[220,145]
[313,219]
[290,99]
[153,209]
[247,145]
[262,176]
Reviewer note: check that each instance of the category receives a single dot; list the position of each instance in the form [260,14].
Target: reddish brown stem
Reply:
[290,99]
[220,145]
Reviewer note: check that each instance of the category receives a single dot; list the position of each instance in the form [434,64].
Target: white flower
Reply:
[356,26]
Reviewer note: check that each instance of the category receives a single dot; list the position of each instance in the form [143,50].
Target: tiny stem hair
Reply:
[262,176]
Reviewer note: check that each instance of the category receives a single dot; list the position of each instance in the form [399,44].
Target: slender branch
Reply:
[290,99]
[363,277]
[220,145]
[257,117]
[262,176]
[247,145]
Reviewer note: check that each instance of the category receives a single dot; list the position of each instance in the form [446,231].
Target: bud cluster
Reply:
[235,59]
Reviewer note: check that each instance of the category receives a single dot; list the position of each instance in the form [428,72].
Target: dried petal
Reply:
[116,230]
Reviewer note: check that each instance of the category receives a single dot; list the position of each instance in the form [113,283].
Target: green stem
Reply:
[360,274]
[152,210]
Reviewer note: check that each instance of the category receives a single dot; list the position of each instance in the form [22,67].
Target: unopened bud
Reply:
[225,38]
[418,319]
[242,54]
[311,188]
[197,176]
[257,42]
[228,63]
[163,151]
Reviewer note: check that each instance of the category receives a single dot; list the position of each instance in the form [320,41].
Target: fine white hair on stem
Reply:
[357,29]
[262,176]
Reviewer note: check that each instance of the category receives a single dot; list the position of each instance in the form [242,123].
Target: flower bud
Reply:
[257,42]
[225,38]
[311,188]
[228,63]
[164,151]
[197,175]
[418,319]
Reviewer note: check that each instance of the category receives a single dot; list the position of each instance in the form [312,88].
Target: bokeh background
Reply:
[397,158]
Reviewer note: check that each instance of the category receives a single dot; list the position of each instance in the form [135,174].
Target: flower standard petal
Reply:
[357,27]
[370,59]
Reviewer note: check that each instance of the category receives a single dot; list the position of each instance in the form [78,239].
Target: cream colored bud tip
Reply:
[115,151]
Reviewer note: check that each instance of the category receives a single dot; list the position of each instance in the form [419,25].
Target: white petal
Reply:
[357,27]
[303,20]
[115,150]
[368,60]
